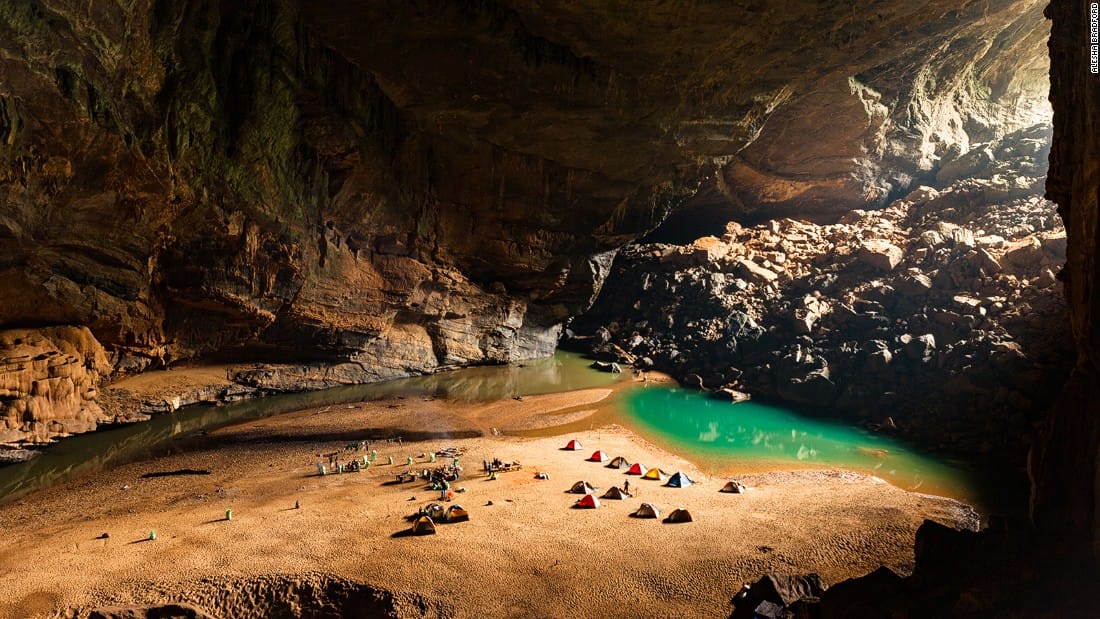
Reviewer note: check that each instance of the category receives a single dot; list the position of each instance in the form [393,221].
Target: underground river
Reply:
[720,437]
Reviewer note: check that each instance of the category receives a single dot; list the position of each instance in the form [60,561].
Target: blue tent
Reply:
[679,480]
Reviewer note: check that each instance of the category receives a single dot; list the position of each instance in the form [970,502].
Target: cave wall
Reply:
[188,177]
[401,186]
[1065,464]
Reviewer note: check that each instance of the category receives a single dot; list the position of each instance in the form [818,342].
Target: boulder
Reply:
[778,589]
[977,162]
[755,272]
[880,254]
[919,348]
[813,389]
[986,262]
[1023,255]
[708,249]
[915,284]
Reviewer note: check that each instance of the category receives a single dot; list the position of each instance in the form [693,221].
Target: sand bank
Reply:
[528,553]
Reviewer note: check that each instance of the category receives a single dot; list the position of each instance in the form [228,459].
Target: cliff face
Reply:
[394,187]
[189,177]
[1065,466]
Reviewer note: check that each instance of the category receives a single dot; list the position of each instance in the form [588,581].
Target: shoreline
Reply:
[195,386]
[350,526]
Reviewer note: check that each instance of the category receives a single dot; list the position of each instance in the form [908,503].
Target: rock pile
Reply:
[939,316]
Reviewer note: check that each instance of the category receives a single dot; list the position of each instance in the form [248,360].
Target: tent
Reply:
[637,469]
[618,463]
[616,493]
[423,526]
[657,474]
[435,511]
[588,501]
[573,445]
[647,511]
[679,515]
[679,480]
[734,487]
[456,513]
[599,456]
[582,487]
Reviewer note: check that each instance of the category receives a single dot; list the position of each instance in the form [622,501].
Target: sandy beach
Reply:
[525,552]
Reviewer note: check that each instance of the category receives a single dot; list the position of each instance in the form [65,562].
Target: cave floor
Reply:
[524,551]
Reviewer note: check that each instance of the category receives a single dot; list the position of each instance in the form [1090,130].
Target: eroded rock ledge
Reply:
[48,383]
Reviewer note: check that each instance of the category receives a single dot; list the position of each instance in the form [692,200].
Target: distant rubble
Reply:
[939,316]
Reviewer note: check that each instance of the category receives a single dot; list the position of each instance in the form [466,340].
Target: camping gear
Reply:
[679,480]
[582,487]
[734,487]
[679,515]
[616,493]
[647,511]
[573,445]
[599,456]
[435,511]
[456,513]
[657,474]
[637,469]
[588,501]
[423,526]
[618,462]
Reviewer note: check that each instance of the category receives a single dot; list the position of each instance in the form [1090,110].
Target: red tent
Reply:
[573,445]
[588,501]
[637,469]
[599,456]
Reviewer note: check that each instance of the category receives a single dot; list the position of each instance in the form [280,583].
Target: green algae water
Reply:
[727,438]
[183,428]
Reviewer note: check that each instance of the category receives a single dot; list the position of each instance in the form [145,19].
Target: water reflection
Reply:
[86,453]
[749,434]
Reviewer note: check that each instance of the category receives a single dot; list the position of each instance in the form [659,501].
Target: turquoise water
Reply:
[722,438]
[726,437]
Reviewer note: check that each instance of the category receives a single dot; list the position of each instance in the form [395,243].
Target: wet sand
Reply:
[527,554]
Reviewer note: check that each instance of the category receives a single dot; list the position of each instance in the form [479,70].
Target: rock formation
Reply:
[48,381]
[1065,466]
[259,181]
[951,286]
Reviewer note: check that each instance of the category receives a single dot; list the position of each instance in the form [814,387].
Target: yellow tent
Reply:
[423,526]
[456,513]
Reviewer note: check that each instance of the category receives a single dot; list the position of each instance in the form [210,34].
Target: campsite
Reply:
[287,518]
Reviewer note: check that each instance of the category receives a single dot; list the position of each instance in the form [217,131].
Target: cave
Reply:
[882,213]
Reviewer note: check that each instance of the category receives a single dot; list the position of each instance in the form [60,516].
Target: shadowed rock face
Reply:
[1064,465]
